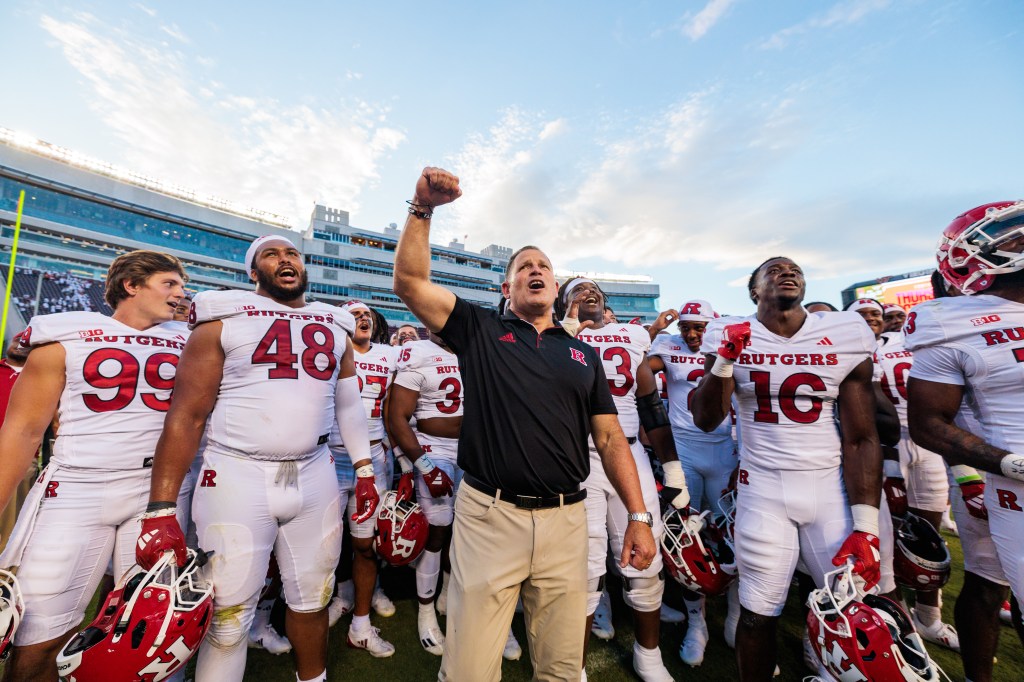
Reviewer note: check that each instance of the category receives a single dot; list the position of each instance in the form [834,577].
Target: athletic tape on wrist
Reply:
[423,464]
[865,518]
[365,471]
[891,468]
[722,368]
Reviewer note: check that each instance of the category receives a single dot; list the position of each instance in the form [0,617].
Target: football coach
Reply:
[533,394]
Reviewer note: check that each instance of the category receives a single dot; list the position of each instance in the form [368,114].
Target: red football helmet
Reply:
[920,556]
[11,608]
[696,553]
[149,626]
[983,242]
[864,637]
[402,530]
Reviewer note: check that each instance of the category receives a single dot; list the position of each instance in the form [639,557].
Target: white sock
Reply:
[654,653]
[322,677]
[262,617]
[928,615]
[426,608]
[695,610]
[361,623]
[426,574]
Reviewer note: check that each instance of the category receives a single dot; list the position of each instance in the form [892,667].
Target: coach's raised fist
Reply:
[436,187]
[735,337]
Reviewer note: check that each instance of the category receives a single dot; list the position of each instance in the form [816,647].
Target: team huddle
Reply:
[797,441]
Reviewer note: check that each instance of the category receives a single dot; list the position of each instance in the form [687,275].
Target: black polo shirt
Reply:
[528,399]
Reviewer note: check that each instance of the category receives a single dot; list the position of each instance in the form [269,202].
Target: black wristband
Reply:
[426,214]
[157,506]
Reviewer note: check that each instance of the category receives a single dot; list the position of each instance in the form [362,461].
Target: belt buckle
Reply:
[529,502]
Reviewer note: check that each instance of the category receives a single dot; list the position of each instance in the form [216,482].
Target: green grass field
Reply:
[610,661]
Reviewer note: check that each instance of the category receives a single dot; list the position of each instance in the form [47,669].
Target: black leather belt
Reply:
[525,501]
[631,440]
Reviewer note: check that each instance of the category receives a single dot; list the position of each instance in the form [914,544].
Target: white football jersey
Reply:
[276,398]
[976,342]
[683,371]
[622,348]
[375,369]
[786,388]
[433,372]
[117,388]
[895,361]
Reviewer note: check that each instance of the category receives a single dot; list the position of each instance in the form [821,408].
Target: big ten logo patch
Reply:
[209,479]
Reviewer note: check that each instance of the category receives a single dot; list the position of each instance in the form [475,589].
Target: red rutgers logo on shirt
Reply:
[578,356]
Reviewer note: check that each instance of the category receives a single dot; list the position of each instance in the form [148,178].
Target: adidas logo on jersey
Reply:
[824,342]
[508,338]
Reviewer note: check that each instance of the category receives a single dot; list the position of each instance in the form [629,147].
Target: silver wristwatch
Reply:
[643,517]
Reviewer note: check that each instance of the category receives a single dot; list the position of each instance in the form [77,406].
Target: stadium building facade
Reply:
[79,214]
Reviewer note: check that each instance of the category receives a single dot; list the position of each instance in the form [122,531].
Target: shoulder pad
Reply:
[43,329]
[924,325]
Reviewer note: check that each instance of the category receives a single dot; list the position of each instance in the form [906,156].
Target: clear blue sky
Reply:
[688,140]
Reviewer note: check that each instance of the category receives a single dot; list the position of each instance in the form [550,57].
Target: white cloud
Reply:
[841,14]
[261,152]
[699,24]
[694,183]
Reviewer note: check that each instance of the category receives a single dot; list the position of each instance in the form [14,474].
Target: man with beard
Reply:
[804,492]
[272,373]
[533,394]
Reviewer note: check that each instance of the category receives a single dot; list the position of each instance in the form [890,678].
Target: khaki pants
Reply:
[497,552]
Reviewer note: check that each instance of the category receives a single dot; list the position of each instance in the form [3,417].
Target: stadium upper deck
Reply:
[79,214]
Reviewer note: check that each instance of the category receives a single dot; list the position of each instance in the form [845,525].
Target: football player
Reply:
[375,368]
[708,459]
[405,334]
[805,492]
[916,481]
[375,364]
[972,347]
[427,392]
[894,317]
[111,379]
[272,374]
[623,350]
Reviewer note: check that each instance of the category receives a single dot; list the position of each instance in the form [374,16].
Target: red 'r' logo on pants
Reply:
[743,477]
[51,490]
[209,476]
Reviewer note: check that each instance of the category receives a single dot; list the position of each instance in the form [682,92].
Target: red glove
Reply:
[735,337]
[160,533]
[436,479]
[973,493]
[367,496]
[404,489]
[895,495]
[863,549]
